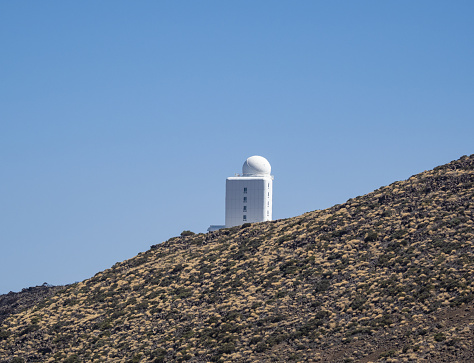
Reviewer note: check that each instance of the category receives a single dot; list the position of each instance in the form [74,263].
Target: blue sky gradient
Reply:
[120,120]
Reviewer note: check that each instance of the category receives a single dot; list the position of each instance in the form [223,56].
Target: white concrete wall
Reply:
[258,203]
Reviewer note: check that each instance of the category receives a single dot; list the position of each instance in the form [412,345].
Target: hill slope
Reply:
[387,276]
[14,302]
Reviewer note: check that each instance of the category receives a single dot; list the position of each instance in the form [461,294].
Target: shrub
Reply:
[72,359]
[29,329]
[226,348]
[4,334]
[320,286]
[136,358]
[261,347]
[371,236]
[159,354]
[187,233]
[358,302]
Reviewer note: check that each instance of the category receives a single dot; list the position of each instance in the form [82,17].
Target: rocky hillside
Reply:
[14,302]
[384,277]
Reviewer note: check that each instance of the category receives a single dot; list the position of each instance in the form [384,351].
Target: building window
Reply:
[245,199]
[268,204]
[245,217]
[245,208]
[268,193]
[268,213]
[245,190]
[268,185]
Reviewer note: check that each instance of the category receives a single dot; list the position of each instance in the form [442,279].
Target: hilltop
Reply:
[14,302]
[383,277]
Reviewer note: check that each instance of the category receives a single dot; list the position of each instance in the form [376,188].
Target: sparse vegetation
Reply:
[383,277]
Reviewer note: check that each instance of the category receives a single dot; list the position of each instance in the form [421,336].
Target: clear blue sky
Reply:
[120,120]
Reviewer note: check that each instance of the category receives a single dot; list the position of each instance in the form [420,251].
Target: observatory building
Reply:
[248,196]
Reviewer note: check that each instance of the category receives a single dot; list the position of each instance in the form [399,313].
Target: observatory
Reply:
[248,196]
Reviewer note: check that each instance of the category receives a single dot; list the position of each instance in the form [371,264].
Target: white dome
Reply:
[256,166]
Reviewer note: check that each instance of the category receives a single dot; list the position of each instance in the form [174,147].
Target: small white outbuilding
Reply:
[248,196]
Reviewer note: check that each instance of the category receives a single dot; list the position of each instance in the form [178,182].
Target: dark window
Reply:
[245,208]
[245,199]
[245,217]
[245,190]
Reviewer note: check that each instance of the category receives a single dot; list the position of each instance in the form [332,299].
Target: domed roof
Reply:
[256,166]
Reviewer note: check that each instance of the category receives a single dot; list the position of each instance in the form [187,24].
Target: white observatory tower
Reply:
[248,197]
